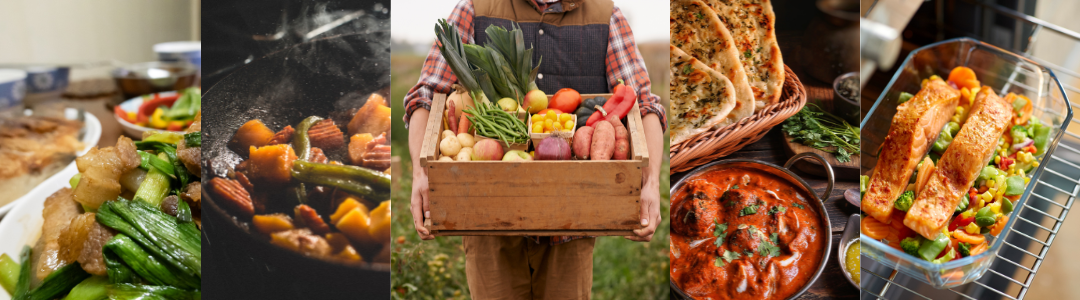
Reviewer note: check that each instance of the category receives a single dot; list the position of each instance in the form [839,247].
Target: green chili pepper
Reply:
[355,187]
[930,249]
[300,139]
[985,217]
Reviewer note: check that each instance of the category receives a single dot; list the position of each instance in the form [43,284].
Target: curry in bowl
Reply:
[744,233]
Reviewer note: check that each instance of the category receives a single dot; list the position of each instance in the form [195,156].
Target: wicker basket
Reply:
[719,142]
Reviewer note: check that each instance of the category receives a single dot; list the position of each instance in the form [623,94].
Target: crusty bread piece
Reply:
[700,96]
[751,25]
[696,29]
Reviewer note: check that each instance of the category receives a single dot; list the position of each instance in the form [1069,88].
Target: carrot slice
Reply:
[923,176]
[980,248]
[1025,113]
[963,77]
[874,229]
[963,236]
[999,226]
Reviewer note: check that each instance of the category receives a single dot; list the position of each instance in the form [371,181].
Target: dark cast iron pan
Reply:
[326,77]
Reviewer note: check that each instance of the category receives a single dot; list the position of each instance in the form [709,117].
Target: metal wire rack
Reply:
[1041,217]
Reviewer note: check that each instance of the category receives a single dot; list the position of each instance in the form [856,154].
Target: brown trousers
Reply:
[515,267]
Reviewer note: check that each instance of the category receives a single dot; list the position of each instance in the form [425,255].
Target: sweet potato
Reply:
[373,117]
[271,164]
[252,133]
[622,138]
[358,145]
[622,149]
[582,142]
[603,141]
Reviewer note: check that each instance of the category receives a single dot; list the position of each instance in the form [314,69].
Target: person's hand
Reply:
[650,211]
[419,204]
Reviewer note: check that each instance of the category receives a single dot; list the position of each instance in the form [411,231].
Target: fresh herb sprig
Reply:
[822,130]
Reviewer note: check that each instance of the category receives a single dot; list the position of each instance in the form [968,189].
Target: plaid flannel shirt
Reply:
[623,61]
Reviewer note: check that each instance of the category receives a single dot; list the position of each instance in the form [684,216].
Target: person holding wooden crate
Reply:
[586,45]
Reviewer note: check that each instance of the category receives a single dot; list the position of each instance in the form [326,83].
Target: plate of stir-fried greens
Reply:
[123,222]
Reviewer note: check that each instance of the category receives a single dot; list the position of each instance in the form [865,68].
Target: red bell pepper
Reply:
[960,221]
[149,105]
[120,112]
[628,100]
[610,105]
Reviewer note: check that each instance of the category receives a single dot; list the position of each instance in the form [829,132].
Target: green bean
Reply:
[352,186]
[301,141]
[376,179]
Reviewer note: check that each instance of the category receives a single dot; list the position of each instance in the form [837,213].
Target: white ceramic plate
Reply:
[133,104]
[90,139]
[22,226]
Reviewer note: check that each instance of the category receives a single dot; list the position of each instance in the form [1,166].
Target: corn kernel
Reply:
[972,228]
[968,213]
[995,207]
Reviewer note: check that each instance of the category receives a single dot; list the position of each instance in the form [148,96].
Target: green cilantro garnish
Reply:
[769,248]
[687,69]
[817,128]
[730,256]
[747,54]
[720,233]
[798,205]
[777,209]
[749,210]
[699,15]
[735,187]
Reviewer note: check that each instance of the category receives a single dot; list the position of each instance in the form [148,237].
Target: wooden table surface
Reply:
[832,284]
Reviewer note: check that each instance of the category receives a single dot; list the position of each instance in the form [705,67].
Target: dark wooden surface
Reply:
[832,284]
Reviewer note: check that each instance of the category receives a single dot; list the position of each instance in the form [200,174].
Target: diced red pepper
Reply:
[960,221]
[175,126]
[1007,161]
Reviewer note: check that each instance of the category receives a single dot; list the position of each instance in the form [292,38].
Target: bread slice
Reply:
[696,29]
[751,25]
[700,96]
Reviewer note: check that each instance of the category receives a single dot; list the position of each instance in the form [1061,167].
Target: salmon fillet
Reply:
[914,127]
[960,165]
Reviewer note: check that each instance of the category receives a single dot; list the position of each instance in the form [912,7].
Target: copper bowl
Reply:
[786,174]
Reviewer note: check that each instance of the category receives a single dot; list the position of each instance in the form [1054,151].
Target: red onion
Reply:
[1021,145]
[553,147]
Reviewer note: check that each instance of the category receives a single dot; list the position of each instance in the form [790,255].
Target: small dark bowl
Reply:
[847,108]
[152,77]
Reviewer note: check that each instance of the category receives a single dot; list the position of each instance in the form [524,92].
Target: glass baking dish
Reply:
[1004,72]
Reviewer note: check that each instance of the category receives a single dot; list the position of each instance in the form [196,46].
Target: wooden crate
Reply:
[539,198]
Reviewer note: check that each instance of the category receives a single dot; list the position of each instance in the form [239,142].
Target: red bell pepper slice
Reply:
[149,105]
[960,221]
[629,97]
[122,114]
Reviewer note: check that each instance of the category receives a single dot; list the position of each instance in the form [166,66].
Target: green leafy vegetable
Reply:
[965,249]
[93,288]
[58,282]
[721,233]
[749,210]
[777,209]
[186,106]
[133,291]
[798,205]
[814,127]
[193,139]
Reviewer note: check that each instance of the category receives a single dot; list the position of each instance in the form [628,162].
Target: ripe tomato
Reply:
[565,100]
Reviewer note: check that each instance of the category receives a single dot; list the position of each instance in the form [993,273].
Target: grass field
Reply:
[436,269]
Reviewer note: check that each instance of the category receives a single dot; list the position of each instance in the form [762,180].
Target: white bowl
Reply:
[136,131]
[90,139]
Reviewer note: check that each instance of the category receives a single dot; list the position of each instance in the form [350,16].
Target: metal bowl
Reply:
[152,77]
[786,174]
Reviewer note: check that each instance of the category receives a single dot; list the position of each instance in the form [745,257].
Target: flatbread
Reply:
[696,30]
[751,25]
[700,96]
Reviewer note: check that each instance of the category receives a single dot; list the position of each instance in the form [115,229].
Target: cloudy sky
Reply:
[414,20]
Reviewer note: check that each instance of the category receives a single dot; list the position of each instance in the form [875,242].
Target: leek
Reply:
[149,267]
[59,282]
[22,287]
[176,243]
[9,273]
[119,272]
[450,45]
[154,188]
[93,288]
[167,137]
[132,291]
[193,139]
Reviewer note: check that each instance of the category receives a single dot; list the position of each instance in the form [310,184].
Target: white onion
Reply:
[1021,145]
